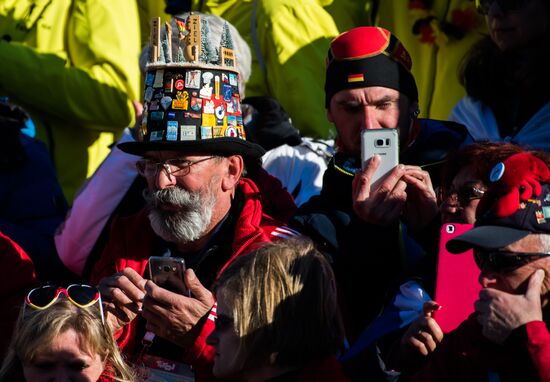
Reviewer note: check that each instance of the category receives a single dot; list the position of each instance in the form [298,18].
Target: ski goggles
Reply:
[80,295]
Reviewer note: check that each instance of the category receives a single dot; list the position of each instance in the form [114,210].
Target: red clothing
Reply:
[17,277]
[466,355]
[277,202]
[133,241]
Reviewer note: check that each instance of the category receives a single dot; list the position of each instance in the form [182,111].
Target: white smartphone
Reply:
[384,142]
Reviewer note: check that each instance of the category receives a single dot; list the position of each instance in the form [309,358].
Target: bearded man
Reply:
[199,208]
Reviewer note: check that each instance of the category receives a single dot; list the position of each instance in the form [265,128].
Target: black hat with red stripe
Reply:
[368,56]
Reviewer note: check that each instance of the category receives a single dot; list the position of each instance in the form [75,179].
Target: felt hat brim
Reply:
[224,146]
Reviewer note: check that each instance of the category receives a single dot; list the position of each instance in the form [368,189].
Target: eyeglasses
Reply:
[464,195]
[179,167]
[80,295]
[483,6]
[504,261]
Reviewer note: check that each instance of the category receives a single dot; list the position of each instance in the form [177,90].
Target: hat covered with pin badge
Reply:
[191,100]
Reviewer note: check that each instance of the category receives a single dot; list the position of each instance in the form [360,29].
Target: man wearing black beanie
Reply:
[369,86]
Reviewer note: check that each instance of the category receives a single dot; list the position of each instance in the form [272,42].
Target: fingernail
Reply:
[401,166]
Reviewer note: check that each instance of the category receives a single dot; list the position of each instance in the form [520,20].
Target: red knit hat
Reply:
[368,56]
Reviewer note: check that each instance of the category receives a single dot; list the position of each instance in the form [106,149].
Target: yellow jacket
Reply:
[435,65]
[73,65]
[292,39]
[147,9]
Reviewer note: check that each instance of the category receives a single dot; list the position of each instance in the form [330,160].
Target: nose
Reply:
[163,178]
[369,120]
[451,213]
[487,279]
[61,375]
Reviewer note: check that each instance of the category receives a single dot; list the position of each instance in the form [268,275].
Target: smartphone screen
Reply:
[457,286]
[167,272]
[385,143]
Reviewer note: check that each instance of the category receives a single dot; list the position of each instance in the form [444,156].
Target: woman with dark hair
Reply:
[506,75]
[466,177]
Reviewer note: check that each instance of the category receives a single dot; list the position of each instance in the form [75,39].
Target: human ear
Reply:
[235,166]
[329,116]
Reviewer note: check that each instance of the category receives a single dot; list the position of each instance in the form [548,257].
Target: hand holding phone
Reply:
[383,142]
[457,275]
[167,272]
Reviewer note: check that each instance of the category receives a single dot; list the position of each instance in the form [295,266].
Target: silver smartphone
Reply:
[384,142]
[167,272]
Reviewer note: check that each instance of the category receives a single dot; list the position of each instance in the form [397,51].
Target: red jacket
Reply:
[133,241]
[17,278]
[466,355]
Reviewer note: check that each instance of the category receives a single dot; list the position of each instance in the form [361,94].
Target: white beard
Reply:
[188,216]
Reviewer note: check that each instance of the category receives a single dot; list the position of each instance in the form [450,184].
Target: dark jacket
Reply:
[368,259]
[33,205]
[323,370]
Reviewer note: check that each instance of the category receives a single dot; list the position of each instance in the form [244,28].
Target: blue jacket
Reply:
[32,204]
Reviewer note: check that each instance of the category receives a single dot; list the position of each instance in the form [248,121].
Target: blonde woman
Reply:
[61,335]
[277,316]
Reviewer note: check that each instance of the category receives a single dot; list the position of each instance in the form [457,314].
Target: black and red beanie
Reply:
[368,56]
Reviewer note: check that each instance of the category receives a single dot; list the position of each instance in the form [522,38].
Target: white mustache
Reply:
[177,197]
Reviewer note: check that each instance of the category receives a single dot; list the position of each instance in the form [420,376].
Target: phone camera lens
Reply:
[166,268]
[379,142]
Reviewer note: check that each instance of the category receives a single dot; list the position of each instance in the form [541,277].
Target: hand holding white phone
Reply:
[383,142]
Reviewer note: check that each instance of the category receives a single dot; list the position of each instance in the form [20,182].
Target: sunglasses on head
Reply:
[483,6]
[80,295]
[504,261]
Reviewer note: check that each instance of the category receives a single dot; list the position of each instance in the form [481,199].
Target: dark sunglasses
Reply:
[504,261]
[464,195]
[483,6]
[80,295]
